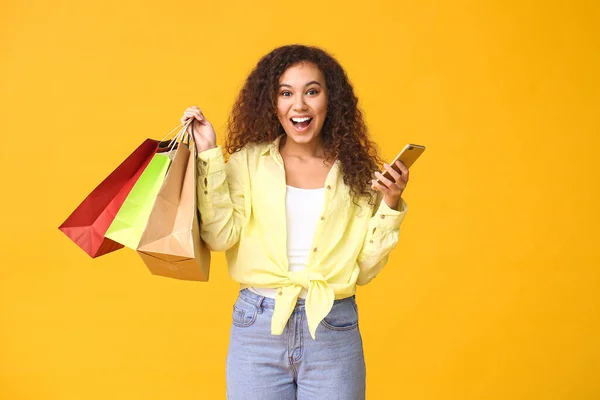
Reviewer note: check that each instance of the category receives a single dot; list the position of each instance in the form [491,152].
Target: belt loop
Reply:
[259,304]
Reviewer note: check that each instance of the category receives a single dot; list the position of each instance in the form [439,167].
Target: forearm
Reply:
[221,200]
[382,236]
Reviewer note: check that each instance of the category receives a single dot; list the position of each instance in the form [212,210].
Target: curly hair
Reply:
[345,136]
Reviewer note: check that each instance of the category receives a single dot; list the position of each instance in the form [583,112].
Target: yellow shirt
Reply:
[242,209]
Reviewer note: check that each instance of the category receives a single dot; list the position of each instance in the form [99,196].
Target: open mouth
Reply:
[301,124]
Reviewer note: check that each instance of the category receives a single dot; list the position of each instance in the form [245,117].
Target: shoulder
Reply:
[251,150]
[248,157]
[248,151]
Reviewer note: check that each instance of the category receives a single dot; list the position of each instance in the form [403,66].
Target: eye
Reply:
[286,93]
[312,92]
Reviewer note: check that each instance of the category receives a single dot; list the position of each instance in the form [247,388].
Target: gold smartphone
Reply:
[407,156]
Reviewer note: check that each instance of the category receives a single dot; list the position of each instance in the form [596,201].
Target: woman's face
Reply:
[302,102]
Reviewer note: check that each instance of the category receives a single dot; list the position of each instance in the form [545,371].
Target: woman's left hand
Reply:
[392,189]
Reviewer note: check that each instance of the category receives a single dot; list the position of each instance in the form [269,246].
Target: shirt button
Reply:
[328,187]
[204,163]
[206,192]
[370,241]
[280,293]
[315,249]
[383,217]
[322,218]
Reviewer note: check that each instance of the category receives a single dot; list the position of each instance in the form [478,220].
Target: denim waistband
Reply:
[267,302]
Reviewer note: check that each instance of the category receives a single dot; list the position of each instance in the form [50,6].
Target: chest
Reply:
[307,174]
[268,195]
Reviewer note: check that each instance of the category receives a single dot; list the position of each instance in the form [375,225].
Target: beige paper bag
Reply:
[170,245]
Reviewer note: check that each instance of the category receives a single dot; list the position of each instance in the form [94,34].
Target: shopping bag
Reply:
[171,245]
[129,223]
[89,222]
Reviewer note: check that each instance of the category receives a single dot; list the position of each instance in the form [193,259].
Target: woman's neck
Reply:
[312,149]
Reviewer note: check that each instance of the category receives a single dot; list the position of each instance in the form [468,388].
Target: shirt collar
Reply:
[273,147]
[273,150]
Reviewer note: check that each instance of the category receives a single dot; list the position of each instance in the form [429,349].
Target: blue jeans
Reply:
[261,366]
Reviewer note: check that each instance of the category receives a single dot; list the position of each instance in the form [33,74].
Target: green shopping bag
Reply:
[130,221]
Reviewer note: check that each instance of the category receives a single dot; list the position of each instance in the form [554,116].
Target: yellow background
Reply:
[492,292]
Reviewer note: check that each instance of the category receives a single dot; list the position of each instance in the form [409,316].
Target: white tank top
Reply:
[303,209]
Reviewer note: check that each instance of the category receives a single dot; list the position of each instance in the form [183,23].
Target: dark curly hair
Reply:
[253,118]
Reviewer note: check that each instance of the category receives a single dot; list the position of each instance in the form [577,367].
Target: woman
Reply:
[302,222]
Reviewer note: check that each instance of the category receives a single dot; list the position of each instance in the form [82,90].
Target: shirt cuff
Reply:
[211,161]
[388,217]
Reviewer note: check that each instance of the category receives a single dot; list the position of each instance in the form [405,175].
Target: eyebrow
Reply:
[308,84]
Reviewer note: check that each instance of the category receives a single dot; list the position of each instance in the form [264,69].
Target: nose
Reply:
[299,103]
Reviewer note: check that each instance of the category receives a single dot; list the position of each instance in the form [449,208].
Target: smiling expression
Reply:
[302,102]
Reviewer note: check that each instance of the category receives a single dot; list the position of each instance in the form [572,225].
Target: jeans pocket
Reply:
[342,317]
[244,314]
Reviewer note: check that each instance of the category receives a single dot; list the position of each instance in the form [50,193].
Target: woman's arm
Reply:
[382,236]
[223,197]
[222,190]
[384,227]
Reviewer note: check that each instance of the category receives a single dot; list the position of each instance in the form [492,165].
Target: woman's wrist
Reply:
[392,202]
[205,147]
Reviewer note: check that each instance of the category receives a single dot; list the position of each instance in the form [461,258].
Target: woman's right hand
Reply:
[200,128]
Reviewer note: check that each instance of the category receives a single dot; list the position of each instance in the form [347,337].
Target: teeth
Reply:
[300,119]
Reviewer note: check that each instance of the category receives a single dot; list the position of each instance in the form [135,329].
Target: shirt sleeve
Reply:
[223,197]
[382,236]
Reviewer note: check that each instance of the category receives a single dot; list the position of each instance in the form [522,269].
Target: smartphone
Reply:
[407,156]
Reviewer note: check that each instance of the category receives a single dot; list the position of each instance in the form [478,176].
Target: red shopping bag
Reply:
[89,222]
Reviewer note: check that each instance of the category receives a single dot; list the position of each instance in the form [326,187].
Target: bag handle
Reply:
[170,133]
[180,136]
